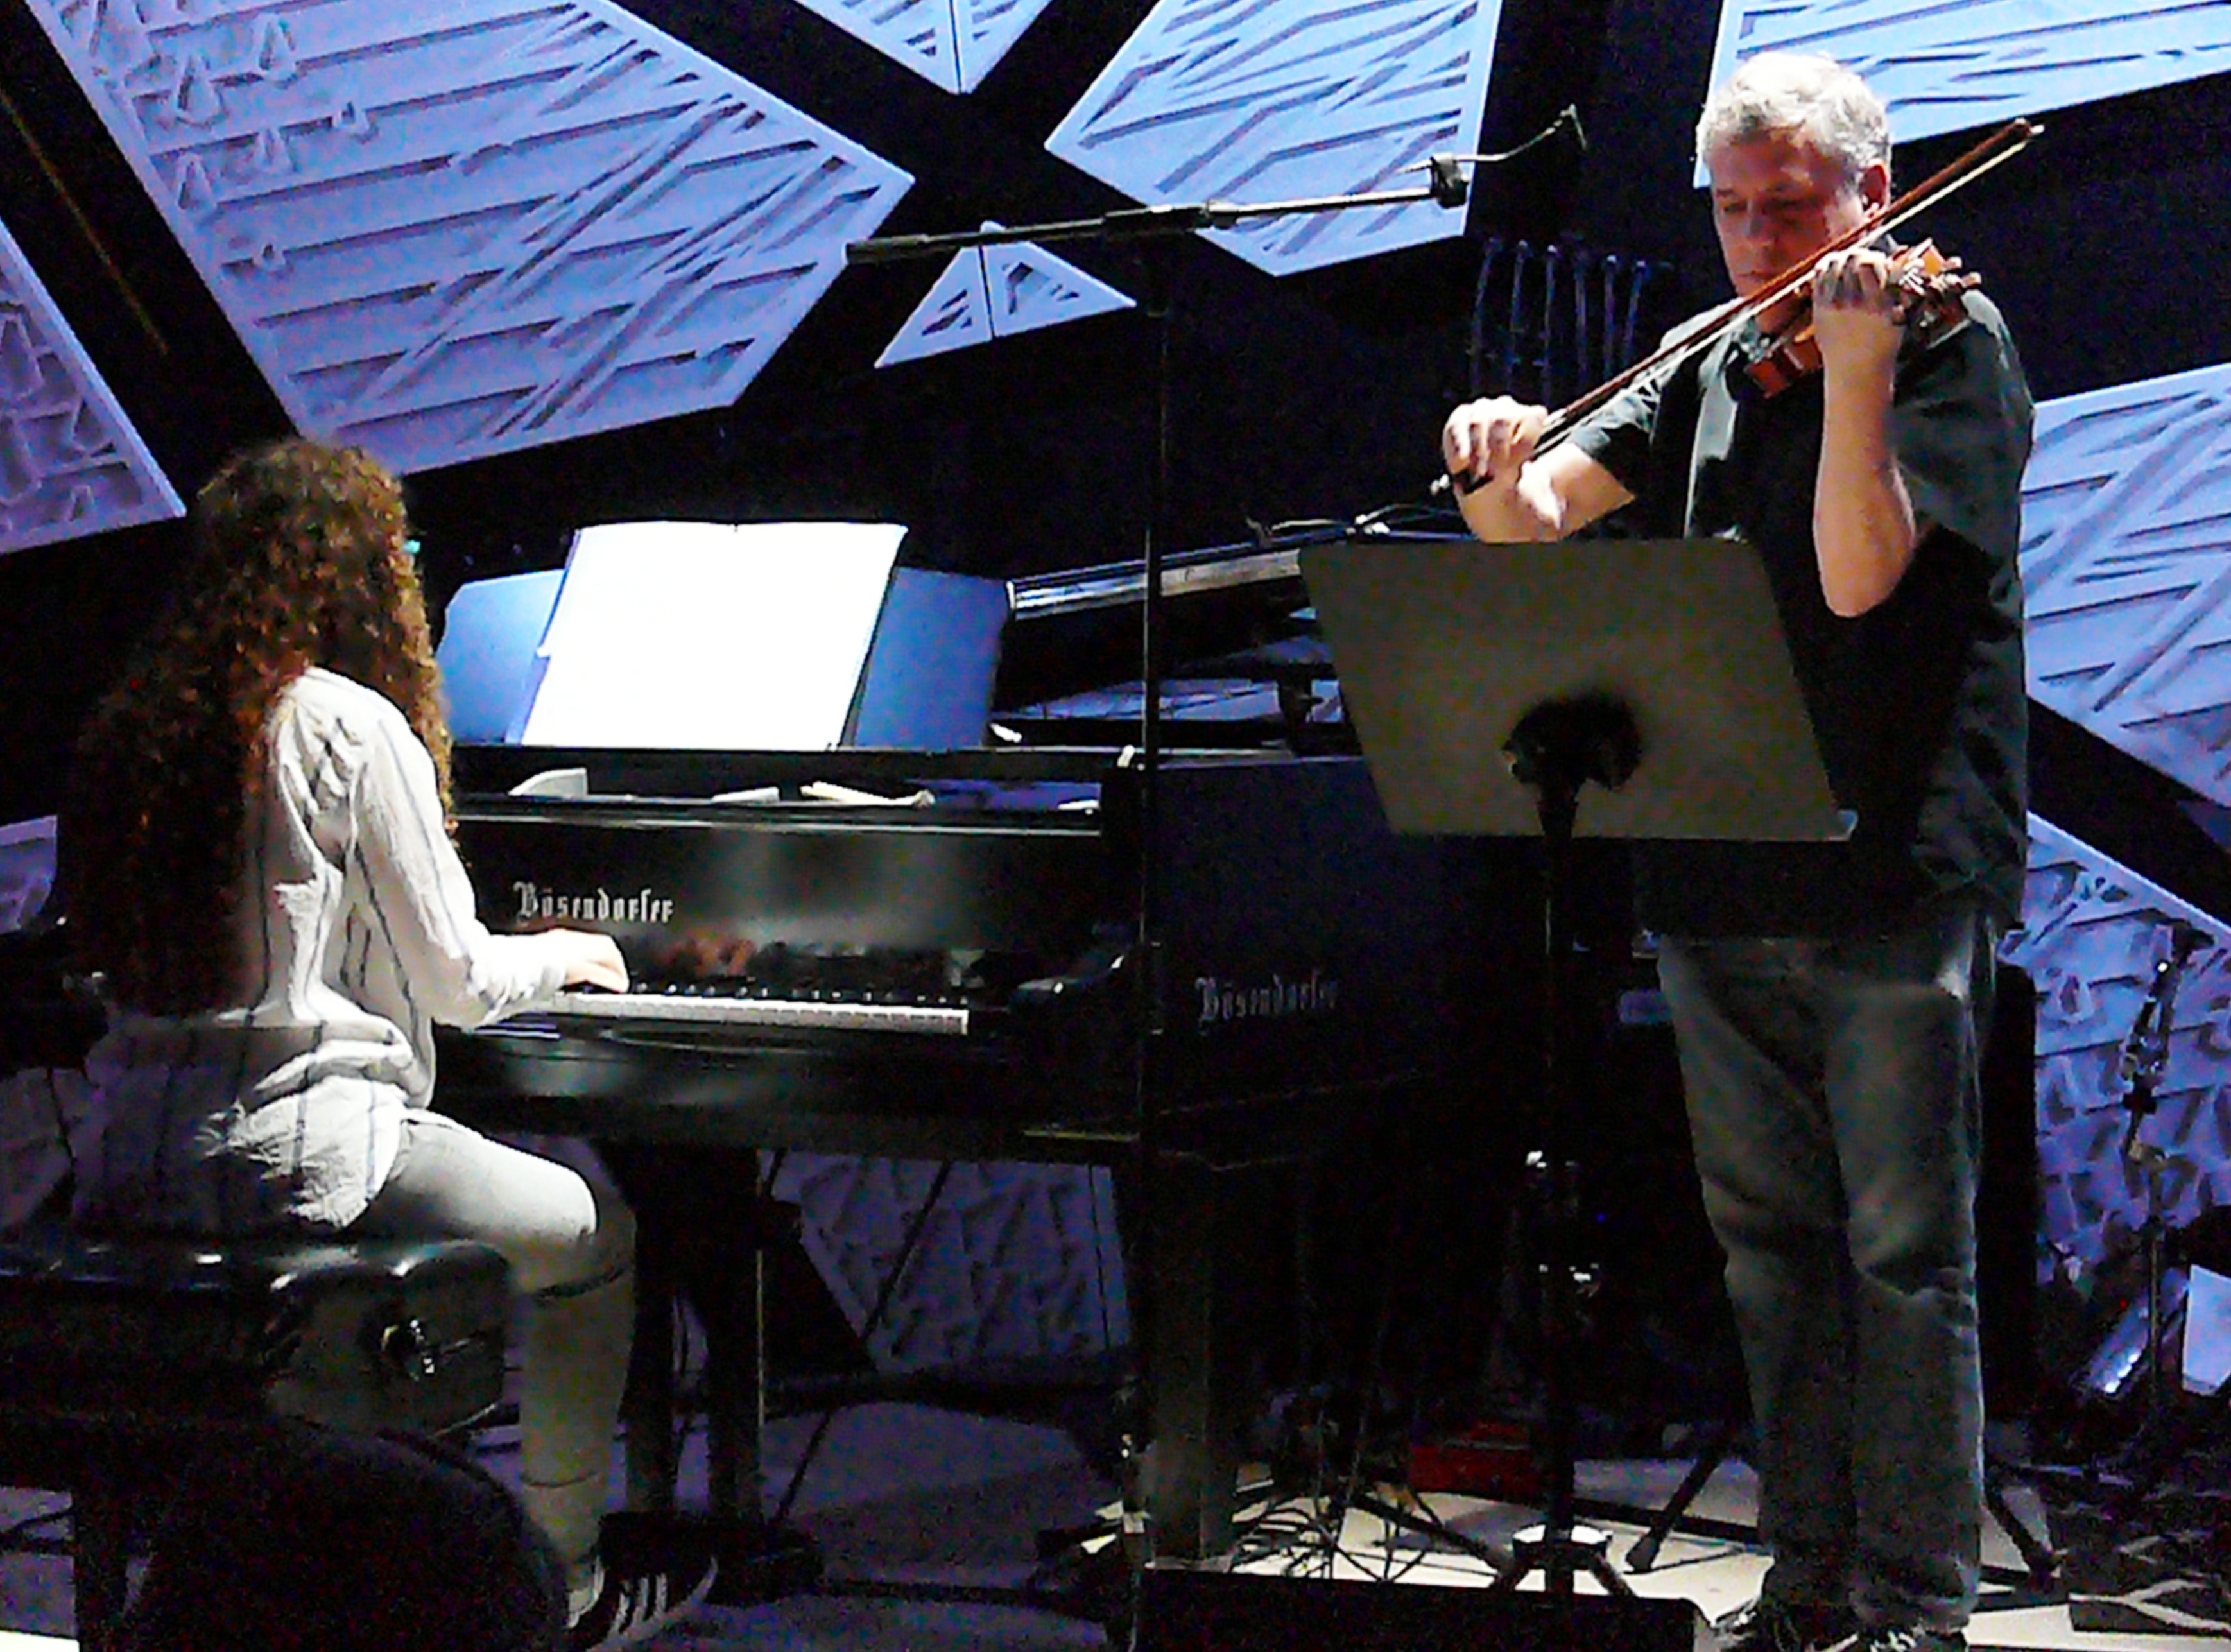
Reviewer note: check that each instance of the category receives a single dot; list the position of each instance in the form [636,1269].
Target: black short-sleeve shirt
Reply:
[1920,705]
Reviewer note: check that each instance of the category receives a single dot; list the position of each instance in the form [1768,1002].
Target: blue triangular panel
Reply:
[997,292]
[448,228]
[984,30]
[952,44]
[1028,287]
[70,463]
[954,314]
[1957,67]
[1278,100]
[2126,569]
[913,34]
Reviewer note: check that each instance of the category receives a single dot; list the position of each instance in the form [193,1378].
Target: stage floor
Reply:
[948,1502]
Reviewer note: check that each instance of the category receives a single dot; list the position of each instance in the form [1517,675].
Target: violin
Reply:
[2000,146]
[1930,287]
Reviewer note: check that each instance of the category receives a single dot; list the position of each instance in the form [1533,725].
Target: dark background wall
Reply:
[1313,395]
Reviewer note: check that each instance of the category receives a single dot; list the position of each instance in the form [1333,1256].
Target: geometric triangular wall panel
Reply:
[70,463]
[2092,932]
[954,314]
[950,44]
[446,229]
[1979,62]
[1031,288]
[2126,570]
[27,871]
[1288,100]
[996,292]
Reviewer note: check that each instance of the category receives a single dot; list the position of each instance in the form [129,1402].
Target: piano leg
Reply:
[702,1234]
[1213,1231]
[728,1290]
[648,1411]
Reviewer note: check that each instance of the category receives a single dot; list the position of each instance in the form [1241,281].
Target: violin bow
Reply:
[2000,146]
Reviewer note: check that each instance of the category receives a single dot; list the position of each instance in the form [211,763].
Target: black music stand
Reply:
[1489,685]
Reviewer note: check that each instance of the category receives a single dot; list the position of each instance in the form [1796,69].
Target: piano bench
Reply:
[125,1358]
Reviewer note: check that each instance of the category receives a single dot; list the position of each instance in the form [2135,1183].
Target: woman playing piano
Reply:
[258,864]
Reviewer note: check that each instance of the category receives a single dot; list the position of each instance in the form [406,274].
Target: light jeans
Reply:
[1835,1100]
[570,1244]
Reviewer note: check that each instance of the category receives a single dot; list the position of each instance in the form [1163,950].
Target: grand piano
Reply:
[935,955]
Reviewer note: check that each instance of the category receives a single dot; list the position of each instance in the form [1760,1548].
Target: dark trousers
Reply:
[1835,1100]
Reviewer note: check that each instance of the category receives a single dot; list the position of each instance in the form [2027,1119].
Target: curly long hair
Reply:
[299,560]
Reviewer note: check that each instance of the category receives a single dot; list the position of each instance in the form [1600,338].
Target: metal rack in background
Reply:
[1549,320]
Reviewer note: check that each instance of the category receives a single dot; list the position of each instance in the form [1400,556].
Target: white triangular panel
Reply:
[1980,62]
[954,314]
[996,292]
[1030,287]
[70,463]
[2126,570]
[446,229]
[1289,99]
[952,44]
[27,871]
[984,30]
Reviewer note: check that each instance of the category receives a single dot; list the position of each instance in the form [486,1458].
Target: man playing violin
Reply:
[1829,1001]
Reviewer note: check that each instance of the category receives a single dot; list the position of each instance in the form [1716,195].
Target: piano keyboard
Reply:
[701,1007]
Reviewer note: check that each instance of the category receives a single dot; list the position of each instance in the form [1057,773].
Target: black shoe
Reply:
[1772,1626]
[1911,1637]
[639,1598]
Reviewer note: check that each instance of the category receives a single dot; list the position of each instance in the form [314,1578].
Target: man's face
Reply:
[1777,201]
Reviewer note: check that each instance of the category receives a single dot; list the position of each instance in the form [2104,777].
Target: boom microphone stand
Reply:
[1208,1518]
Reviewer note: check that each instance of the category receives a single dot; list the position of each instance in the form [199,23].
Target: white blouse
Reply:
[356,934]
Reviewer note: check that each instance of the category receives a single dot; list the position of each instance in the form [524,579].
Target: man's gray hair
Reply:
[1798,92]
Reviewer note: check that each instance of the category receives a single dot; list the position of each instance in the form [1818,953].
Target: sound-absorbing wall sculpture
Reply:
[1286,99]
[996,292]
[70,463]
[446,229]
[2092,933]
[2126,565]
[951,43]
[1949,67]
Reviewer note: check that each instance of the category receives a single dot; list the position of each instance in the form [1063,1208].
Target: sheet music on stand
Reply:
[709,635]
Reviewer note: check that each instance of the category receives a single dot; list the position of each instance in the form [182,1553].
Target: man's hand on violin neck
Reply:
[1857,310]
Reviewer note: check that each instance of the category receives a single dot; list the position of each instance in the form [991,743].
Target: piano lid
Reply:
[1075,631]
[1184,573]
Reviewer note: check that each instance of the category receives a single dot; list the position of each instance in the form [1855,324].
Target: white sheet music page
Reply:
[710,636]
